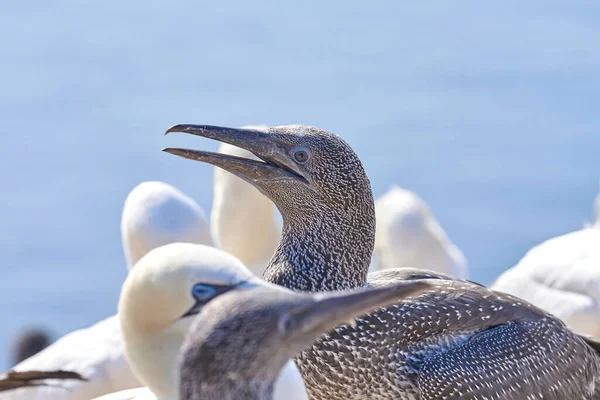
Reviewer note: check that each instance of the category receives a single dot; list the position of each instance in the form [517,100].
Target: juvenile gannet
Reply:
[33,379]
[154,214]
[159,299]
[243,220]
[561,276]
[408,235]
[240,341]
[457,340]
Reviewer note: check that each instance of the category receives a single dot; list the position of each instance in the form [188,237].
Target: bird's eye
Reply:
[285,324]
[203,293]
[301,155]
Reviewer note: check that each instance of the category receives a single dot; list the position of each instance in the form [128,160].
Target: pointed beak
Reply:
[310,321]
[274,167]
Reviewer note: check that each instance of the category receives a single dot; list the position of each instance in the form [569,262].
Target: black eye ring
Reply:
[301,155]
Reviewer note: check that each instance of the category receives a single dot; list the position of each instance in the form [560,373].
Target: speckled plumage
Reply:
[412,350]
[456,341]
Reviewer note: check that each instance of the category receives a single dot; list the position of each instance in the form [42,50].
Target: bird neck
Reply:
[154,359]
[227,388]
[322,251]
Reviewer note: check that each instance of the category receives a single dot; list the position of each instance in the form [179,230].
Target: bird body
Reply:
[154,214]
[458,340]
[561,276]
[409,236]
[95,352]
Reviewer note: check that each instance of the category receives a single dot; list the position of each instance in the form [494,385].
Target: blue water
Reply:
[489,112]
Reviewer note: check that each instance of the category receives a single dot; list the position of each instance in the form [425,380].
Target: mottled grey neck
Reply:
[326,250]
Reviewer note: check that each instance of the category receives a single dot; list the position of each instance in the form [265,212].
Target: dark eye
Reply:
[301,155]
[285,324]
[203,292]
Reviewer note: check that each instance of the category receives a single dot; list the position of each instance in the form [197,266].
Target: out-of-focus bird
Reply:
[28,343]
[154,214]
[408,236]
[562,276]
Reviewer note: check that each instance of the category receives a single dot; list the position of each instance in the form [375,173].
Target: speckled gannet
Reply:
[408,235]
[562,276]
[456,341]
[240,341]
[97,352]
[168,287]
[33,379]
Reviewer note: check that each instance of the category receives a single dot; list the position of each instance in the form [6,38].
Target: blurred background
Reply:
[488,111]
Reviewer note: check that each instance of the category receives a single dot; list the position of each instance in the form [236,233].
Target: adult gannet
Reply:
[154,214]
[458,340]
[241,340]
[160,297]
[562,276]
[408,235]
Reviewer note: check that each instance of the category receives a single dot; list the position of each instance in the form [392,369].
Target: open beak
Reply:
[274,167]
[310,321]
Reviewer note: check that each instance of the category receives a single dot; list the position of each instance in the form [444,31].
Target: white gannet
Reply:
[154,214]
[562,276]
[159,299]
[243,220]
[408,235]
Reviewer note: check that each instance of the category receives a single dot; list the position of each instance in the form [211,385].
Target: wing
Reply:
[97,353]
[523,360]
[16,379]
[389,276]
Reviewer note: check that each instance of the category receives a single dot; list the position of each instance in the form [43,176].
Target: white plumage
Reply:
[562,276]
[155,214]
[408,236]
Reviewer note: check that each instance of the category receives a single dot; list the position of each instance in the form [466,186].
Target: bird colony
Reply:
[348,298]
